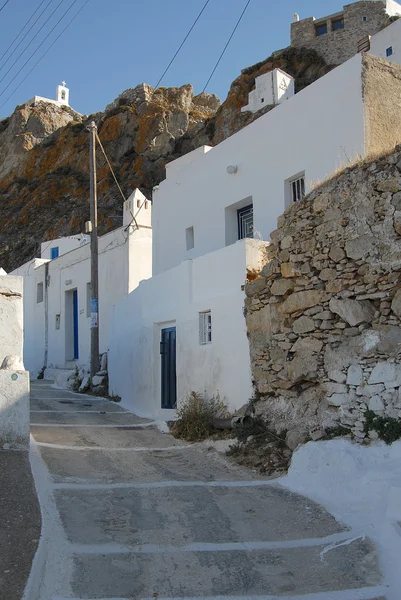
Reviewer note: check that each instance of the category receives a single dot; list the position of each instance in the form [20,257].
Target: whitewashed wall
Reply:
[65,244]
[389,37]
[393,8]
[270,88]
[211,282]
[314,131]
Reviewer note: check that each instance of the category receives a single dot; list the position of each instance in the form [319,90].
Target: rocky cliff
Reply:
[44,178]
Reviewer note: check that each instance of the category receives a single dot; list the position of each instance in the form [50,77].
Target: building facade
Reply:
[336,37]
[183,330]
[57,289]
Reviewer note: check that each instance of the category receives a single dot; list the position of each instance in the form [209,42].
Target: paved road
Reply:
[131,513]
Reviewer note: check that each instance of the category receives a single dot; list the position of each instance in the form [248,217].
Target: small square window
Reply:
[337,25]
[389,51]
[205,327]
[54,252]
[364,19]
[245,222]
[262,100]
[321,29]
[190,238]
[39,293]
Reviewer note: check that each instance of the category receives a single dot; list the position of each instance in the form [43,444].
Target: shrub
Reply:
[387,428]
[196,415]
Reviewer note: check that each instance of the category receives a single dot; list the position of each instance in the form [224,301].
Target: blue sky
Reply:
[117,44]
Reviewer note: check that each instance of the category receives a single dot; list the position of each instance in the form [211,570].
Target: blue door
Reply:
[168,368]
[75,322]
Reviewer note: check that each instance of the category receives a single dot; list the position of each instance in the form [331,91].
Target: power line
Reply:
[182,43]
[44,54]
[40,45]
[227,44]
[6,2]
[30,29]
[34,37]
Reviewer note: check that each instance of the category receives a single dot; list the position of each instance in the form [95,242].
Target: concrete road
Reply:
[131,513]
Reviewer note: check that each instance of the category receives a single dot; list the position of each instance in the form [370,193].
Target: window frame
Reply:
[54,252]
[246,210]
[205,327]
[319,27]
[336,22]
[40,295]
[297,191]
[389,51]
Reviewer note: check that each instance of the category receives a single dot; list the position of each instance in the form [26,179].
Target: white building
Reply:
[270,89]
[62,96]
[387,43]
[183,329]
[57,288]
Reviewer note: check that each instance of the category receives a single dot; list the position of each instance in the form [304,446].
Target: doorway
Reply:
[168,368]
[71,325]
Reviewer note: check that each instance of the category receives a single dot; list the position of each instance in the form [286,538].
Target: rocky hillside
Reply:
[44,178]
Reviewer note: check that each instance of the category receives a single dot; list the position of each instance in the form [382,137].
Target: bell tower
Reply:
[63,94]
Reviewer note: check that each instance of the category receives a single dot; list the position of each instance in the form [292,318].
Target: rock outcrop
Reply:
[324,316]
[44,170]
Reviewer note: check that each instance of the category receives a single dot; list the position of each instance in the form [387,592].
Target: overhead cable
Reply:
[17,36]
[40,45]
[183,42]
[5,3]
[227,44]
[44,54]
[29,43]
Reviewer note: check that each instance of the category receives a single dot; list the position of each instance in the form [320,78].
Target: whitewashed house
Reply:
[57,289]
[184,329]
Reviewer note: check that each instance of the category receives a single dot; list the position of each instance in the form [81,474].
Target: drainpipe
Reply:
[46,299]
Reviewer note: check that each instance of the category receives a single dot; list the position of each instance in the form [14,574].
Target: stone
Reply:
[370,390]
[353,312]
[303,325]
[336,254]
[97,380]
[307,345]
[396,303]
[355,375]
[397,221]
[281,287]
[337,376]
[302,368]
[295,438]
[338,399]
[321,203]
[286,242]
[385,372]
[389,185]
[287,269]
[360,247]
[85,384]
[334,388]
[396,201]
[301,300]
[376,404]
[328,274]
[267,319]
[284,256]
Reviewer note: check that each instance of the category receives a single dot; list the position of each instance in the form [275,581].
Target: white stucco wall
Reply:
[125,258]
[271,88]
[64,244]
[211,282]
[313,132]
[393,8]
[389,37]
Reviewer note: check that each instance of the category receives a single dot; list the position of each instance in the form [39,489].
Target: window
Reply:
[205,327]
[190,238]
[262,100]
[54,252]
[337,24]
[39,293]
[321,29]
[88,299]
[389,51]
[364,19]
[245,222]
[63,95]
[297,189]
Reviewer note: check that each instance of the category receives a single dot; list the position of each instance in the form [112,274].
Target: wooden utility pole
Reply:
[94,255]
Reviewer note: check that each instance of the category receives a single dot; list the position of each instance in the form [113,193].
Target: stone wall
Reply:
[338,46]
[324,316]
[14,380]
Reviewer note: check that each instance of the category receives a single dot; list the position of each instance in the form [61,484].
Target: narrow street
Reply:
[132,513]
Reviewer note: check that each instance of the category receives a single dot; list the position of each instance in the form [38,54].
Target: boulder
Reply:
[301,301]
[353,312]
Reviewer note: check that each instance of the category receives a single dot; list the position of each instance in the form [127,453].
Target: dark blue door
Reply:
[75,322]
[168,367]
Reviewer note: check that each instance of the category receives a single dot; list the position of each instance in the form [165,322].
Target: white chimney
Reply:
[296,18]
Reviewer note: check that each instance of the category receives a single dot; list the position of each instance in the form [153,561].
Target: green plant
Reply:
[195,417]
[387,428]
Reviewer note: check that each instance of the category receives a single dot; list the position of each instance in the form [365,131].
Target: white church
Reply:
[62,97]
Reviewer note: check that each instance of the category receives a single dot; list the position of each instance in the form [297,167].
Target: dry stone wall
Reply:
[324,316]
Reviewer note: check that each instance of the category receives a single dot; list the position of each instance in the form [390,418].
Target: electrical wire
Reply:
[40,45]
[5,3]
[17,36]
[227,44]
[29,43]
[182,43]
[44,54]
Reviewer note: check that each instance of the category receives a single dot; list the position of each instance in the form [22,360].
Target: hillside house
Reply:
[212,219]
[57,289]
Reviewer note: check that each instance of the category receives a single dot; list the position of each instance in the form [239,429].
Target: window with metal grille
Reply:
[245,222]
[297,189]
[389,51]
[205,327]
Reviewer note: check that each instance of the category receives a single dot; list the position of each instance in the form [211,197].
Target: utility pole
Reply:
[94,255]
